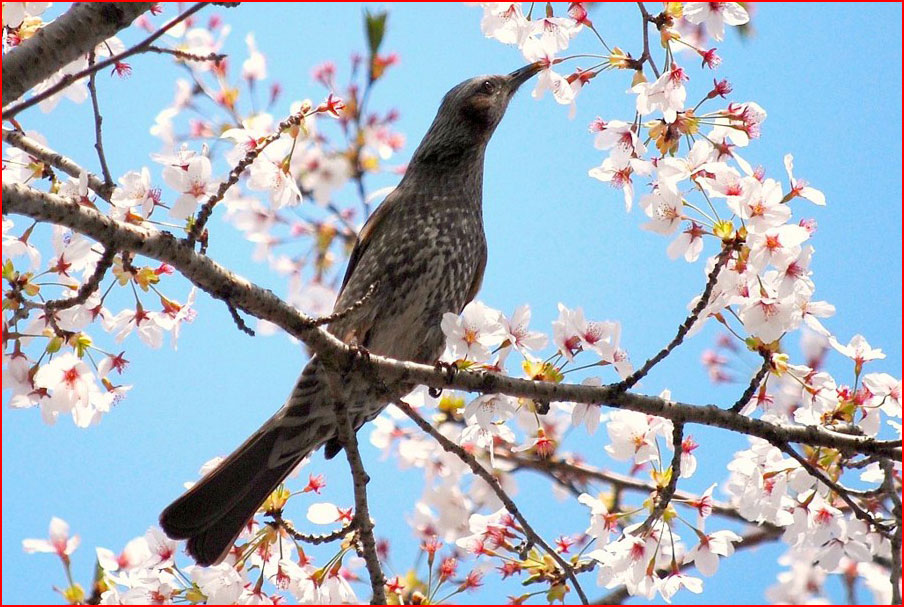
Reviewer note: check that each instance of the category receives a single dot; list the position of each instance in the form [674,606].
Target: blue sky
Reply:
[830,79]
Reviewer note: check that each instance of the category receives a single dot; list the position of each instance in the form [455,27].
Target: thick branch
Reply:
[68,79]
[261,303]
[70,36]
[58,161]
[488,478]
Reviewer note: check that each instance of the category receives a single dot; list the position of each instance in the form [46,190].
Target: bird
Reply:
[420,255]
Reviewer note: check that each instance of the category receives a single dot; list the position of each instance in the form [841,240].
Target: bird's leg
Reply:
[449,368]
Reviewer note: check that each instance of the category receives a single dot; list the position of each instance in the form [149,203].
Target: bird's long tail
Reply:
[214,511]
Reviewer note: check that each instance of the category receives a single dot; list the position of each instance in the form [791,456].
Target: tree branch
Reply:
[261,303]
[618,481]
[88,287]
[197,228]
[755,382]
[823,478]
[46,155]
[309,538]
[754,538]
[488,478]
[668,492]
[362,520]
[98,121]
[72,35]
[9,113]
[185,56]
[646,56]
[689,322]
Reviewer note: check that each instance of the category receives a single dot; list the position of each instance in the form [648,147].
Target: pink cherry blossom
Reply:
[60,542]
[715,15]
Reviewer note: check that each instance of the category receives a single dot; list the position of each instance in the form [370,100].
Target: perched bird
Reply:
[421,254]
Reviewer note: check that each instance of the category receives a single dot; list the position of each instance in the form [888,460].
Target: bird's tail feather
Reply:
[214,511]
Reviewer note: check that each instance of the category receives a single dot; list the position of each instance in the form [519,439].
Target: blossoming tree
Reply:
[91,262]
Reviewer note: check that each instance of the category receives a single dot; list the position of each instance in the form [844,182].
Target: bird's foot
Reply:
[541,406]
[450,368]
[360,354]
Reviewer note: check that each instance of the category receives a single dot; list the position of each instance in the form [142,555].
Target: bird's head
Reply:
[470,112]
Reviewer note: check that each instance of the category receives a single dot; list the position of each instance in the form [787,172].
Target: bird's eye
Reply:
[488,87]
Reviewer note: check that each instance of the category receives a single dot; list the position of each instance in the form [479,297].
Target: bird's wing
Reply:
[363,239]
[478,277]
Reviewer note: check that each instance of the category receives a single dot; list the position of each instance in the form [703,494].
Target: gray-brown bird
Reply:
[421,254]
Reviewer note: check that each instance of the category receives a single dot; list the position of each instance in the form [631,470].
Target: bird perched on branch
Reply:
[420,255]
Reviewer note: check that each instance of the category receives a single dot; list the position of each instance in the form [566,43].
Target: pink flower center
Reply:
[70,377]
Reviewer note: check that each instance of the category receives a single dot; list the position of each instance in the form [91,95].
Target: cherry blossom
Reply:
[715,15]
[255,66]
[59,542]
[858,350]
[800,188]
[666,94]
[193,180]
[485,409]
[505,22]
[135,193]
[886,392]
[16,12]
[633,436]
[471,335]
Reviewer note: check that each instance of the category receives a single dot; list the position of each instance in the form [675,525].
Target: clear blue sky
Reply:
[830,79]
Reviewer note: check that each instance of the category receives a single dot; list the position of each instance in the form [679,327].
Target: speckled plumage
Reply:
[420,255]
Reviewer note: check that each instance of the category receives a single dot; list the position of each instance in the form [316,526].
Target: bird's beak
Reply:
[522,75]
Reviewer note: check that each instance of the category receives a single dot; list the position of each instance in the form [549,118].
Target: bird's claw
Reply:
[450,370]
[361,353]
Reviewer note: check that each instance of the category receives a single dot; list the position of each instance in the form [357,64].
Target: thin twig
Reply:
[88,287]
[98,121]
[488,478]
[754,538]
[668,492]
[689,322]
[70,78]
[754,383]
[330,318]
[362,513]
[616,480]
[646,56]
[309,538]
[185,56]
[820,476]
[238,320]
[197,227]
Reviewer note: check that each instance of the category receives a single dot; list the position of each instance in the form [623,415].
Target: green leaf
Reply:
[375,27]
[9,271]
